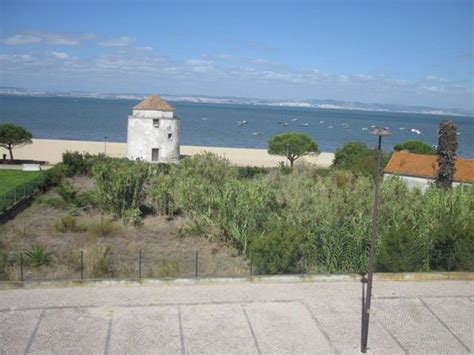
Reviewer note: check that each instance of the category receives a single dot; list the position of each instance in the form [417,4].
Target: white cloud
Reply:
[50,38]
[122,41]
[21,39]
[60,55]
[200,65]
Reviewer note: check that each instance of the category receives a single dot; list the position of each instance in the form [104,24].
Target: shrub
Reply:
[103,228]
[38,256]
[52,177]
[358,158]
[250,172]
[97,261]
[68,192]
[76,163]
[51,201]
[120,185]
[278,251]
[68,223]
[416,146]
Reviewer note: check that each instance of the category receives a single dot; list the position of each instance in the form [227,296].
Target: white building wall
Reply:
[418,182]
[142,136]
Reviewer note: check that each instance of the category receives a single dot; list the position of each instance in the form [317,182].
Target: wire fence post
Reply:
[21,267]
[14,197]
[196,266]
[251,263]
[140,264]
[82,265]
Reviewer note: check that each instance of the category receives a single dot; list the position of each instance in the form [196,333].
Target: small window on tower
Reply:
[169,135]
[156,123]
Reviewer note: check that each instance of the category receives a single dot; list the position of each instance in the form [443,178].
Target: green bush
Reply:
[103,228]
[38,256]
[76,163]
[68,223]
[250,172]
[52,177]
[68,192]
[415,146]
[278,251]
[52,201]
[358,158]
[120,185]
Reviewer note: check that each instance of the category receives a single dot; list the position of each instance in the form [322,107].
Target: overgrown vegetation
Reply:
[305,221]
[286,220]
[415,146]
[355,156]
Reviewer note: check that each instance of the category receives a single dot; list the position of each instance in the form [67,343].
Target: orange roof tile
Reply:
[154,103]
[421,165]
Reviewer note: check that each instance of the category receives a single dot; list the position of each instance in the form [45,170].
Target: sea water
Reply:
[221,125]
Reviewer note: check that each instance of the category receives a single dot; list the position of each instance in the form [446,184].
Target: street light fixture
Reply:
[367,296]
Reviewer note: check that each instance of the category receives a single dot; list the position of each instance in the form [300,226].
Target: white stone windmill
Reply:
[153,132]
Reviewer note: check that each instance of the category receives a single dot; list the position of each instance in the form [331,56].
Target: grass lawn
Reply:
[9,179]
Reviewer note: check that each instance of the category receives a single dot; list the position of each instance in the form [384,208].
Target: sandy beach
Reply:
[51,150]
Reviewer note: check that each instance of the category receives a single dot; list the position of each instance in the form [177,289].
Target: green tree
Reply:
[12,135]
[416,146]
[293,145]
[447,146]
[358,158]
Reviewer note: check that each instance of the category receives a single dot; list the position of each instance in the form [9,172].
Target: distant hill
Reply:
[313,103]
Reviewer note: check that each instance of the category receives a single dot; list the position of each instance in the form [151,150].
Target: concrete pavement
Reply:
[238,318]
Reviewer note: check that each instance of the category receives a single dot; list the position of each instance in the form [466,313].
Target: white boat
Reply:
[414,130]
[321,122]
[204,118]
[241,123]
[401,128]
[330,126]
[294,119]
[256,134]
[305,124]
[364,128]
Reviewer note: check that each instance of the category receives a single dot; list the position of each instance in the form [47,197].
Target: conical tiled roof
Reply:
[154,103]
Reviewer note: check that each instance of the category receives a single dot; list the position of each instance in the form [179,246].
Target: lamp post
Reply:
[105,145]
[367,293]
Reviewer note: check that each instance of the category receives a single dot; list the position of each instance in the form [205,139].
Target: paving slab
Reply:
[457,314]
[341,319]
[286,328]
[16,329]
[145,330]
[415,327]
[72,331]
[216,329]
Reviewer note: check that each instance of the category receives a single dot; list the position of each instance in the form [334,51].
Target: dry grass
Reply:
[111,249]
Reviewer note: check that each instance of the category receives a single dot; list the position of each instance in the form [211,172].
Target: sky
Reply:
[412,52]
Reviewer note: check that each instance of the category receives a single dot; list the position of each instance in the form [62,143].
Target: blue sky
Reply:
[401,52]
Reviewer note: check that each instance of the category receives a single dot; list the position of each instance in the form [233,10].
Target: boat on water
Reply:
[283,123]
[365,129]
[294,119]
[401,128]
[305,124]
[417,131]
[321,122]
[241,123]
[204,118]
[256,134]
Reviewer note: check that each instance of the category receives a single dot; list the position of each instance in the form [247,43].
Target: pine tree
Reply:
[447,146]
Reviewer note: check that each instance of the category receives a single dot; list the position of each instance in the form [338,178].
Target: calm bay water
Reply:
[92,119]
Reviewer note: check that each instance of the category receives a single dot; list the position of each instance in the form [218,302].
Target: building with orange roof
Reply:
[420,170]
[153,132]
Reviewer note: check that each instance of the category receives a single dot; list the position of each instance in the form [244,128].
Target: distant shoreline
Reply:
[297,103]
[51,150]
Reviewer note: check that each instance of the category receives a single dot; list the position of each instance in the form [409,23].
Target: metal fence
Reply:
[83,265]
[11,197]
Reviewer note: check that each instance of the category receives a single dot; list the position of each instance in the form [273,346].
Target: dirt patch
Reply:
[109,248]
